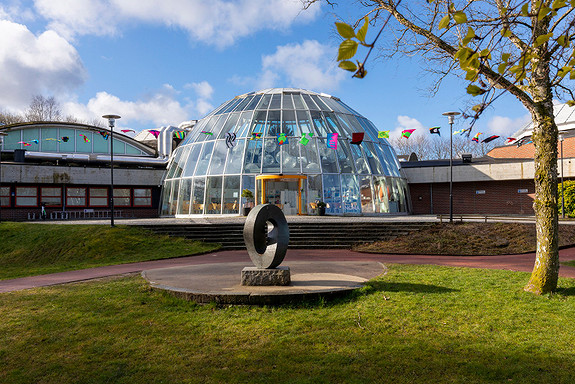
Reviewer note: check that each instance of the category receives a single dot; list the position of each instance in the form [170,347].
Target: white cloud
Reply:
[309,65]
[45,64]
[203,89]
[215,22]
[505,126]
[406,122]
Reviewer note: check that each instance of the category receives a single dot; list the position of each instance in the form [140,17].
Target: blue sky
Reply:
[161,62]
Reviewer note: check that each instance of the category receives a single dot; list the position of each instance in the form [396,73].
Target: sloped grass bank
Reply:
[28,249]
[417,324]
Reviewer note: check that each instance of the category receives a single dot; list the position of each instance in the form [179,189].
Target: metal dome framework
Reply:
[206,174]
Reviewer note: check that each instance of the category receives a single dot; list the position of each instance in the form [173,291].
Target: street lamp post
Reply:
[111,122]
[2,134]
[561,138]
[450,119]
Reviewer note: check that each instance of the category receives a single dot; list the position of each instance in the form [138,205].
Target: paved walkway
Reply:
[522,263]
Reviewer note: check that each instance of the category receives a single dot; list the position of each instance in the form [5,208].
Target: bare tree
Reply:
[515,46]
[435,148]
[43,109]
[10,118]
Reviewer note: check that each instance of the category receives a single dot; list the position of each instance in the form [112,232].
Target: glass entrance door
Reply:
[285,191]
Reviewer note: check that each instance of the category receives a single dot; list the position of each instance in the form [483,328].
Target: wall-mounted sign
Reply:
[480,192]
[523,190]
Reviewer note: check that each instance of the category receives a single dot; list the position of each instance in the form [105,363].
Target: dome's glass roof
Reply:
[275,143]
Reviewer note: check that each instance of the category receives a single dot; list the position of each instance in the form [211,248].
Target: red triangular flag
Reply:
[357,137]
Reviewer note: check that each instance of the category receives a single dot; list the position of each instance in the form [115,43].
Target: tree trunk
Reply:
[546,270]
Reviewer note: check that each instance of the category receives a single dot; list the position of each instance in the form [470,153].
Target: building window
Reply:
[5,196]
[122,197]
[26,196]
[98,197]
[76,197]
[52,197]
[142,197]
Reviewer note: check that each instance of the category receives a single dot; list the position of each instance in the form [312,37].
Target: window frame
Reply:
[90,197]
[16,196]
[41,196]
[138,197]
[74,205]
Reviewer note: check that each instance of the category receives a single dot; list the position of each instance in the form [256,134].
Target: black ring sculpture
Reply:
[266,249]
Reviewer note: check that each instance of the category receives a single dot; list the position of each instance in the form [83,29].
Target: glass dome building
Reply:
[280,144]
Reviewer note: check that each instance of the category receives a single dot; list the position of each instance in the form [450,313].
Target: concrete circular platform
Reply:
[220,282]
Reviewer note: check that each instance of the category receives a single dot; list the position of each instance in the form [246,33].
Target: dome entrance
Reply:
[285,191]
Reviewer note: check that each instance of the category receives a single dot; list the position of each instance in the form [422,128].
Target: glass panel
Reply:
[253,103]
[273,125]
[32,137]
[198,195]
[276,101]
[122,197]
[350,194]
[372,158]
[75,197]
[243,124]
[68,145]
[248,182]
[271,160]
[130,150]
[166,191]
[380,194]
[142,197]
[400,190]
[11,140]
[333,104]
[253,156]
[232,194]
[218,158]
[204,160]
[258,123]
[371,131]
[334,126]
[366,194]
[195,135]
[234,161]
[232,106]
[314,192]
[332,194]
[344,157]
[52,197]
[174,163]
[288,123]
[327,157]
[142,192]
[49,139]
[380,158]
[190,164]
[290,156]
[304,123]
[216,128]
[222,107]
[214,195]
[309,157]
[119,147]
[319,123]
[287,102]
[359,160]
[391,159]
[230,125]
[310,104]
[84,141]
[347,126]
[26,196]
[5,196]
[101,144]
[245,101]
[184,197]
[99,197]
[265,102]
[173,197]
[298,101]
[320,103]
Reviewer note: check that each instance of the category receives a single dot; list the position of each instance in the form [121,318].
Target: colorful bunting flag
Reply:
[208,133]
[490,138]
[256,135]
[434,130]
[128,130]
[305,138]
[104,134]
[332,140]
[24,143]
[35,141]
[460,131]
[476,137]
[406,133]
[65,139]
[523,141]
[383,135]
[510,140]
[179,134]
[282,139]
[357,137]
[154,132]
[230,139]
[52,139]
[85,138]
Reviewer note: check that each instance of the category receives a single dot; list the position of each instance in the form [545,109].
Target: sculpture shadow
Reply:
[385,286]
[566,291]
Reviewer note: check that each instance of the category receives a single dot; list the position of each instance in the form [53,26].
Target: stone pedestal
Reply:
[253,276]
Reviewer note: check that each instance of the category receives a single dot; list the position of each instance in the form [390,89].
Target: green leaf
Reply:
[471,75]
[501,68]
[345,30]
[525,9]
[470,35]
[363,30]
[563,71]
[563,41]
[444,22]
[505,56]
[485,53]
[572,75]
[347,50]
[474,90]
[571,103]
[460,17]
[542,39]
[348,65]
[477,108]
[558,4]
[544,11]
[505,32]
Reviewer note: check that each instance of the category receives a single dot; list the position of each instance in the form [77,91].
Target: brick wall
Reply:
[499,197]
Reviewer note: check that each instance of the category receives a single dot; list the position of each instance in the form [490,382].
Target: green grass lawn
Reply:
[31,249]
[417,324]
